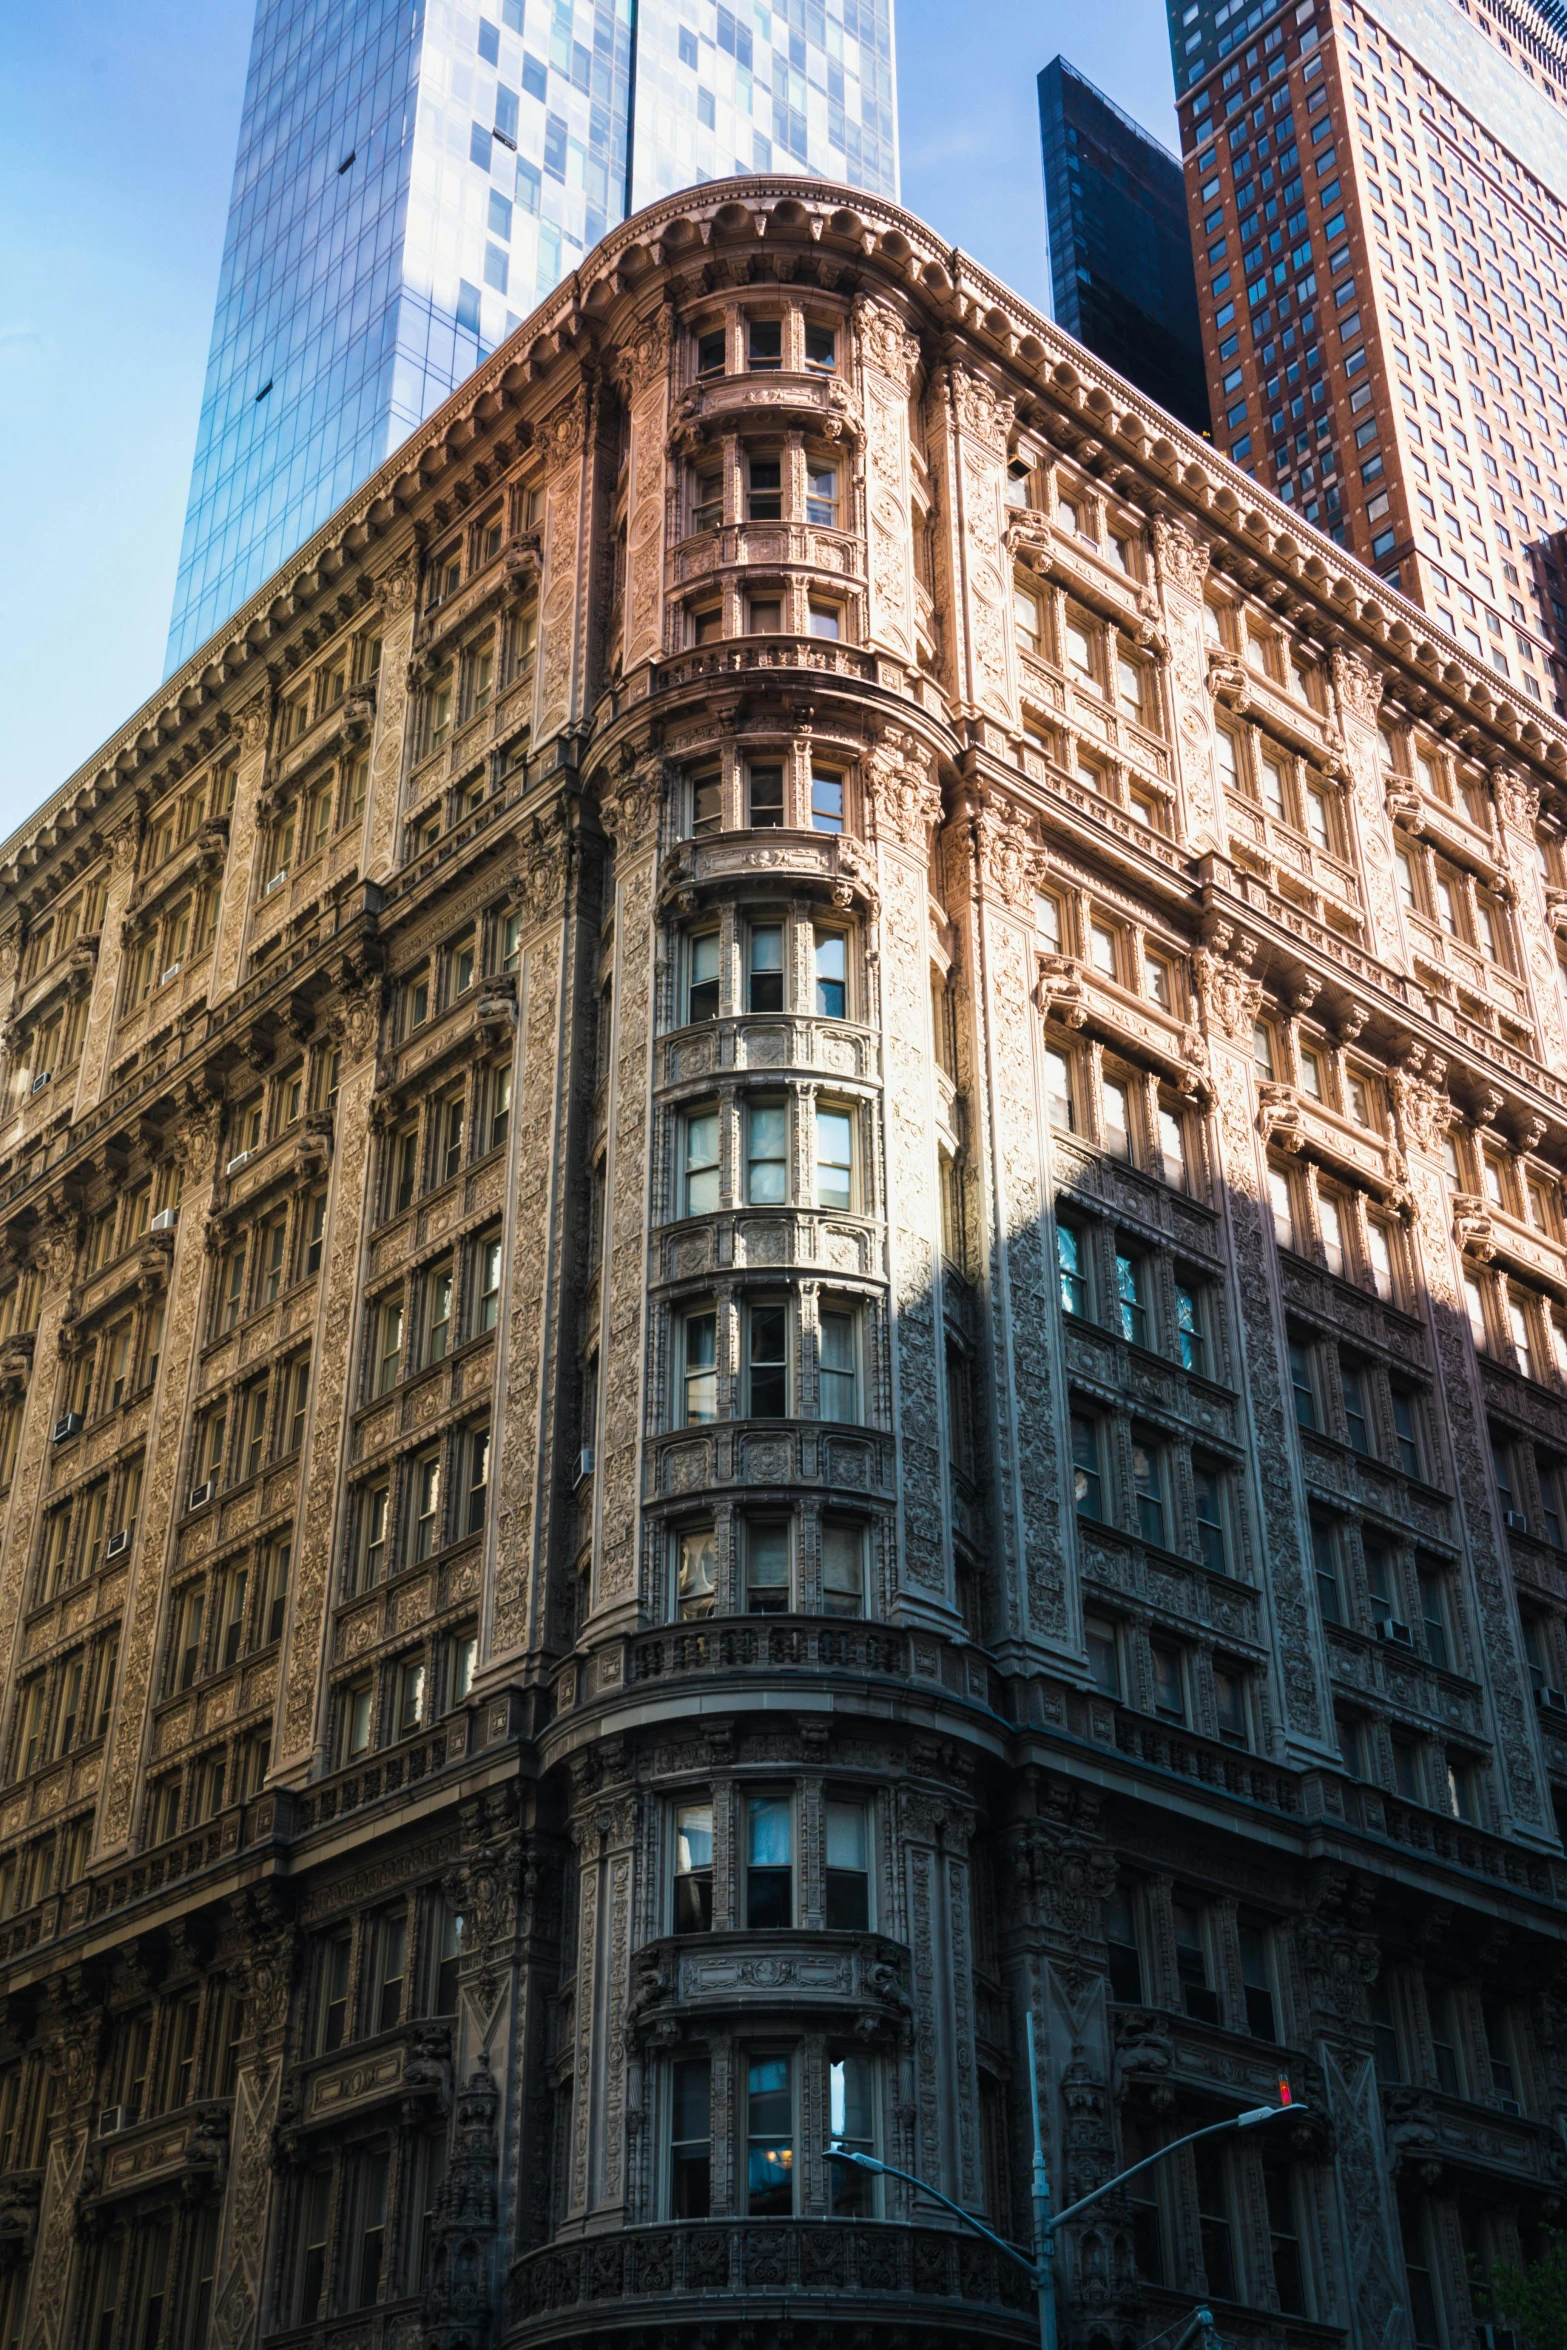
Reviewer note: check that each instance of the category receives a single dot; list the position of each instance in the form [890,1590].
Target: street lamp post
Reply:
[1039,2266]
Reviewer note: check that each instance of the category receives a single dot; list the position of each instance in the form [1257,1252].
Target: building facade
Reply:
[410,181]
[1121,277]
[1377,206]
[766,1297]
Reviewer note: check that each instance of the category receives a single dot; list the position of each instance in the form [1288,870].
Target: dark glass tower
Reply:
[1120,250]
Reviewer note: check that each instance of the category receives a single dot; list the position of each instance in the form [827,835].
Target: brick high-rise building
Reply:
[1378,200]
[761,1300]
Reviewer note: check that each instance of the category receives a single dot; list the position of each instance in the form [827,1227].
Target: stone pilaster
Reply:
[1180,567]
[106,971]
[245,824]
[1517,811]
[1357,693]
[54,2317]
[300,1728]
[646,383]
[399,617]
[1230,1001]
[244,2274]
[889,355]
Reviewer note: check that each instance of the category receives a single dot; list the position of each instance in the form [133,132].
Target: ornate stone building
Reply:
[784,1267]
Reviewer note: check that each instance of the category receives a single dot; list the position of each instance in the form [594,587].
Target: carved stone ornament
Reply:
[399,586]
[1472,1226]
[885,341]
[1228,682]
[1280,1119]
[1230,999]
[254,723]
[1061,993]
[1181,560]
[1556,910]
[983,412]
[1006,850]
[904,792]
[632,800]
[1423,1109]
[1517,802]
[361,1021]
[1359,688]
[197,1139]
[641,361]
[123,844]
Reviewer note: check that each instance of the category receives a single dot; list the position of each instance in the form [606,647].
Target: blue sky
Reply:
[117,132]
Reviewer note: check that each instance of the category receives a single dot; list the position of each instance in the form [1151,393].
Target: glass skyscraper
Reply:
[414,175]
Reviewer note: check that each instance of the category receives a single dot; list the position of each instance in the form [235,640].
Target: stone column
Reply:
[645,366]
[1230,1001]
[1518,812]
[106,974]
[233,930]
[1357,691]
[73,2038]
[538,1318]
[905,798]
[299,1728]
[55,1261]
[168,1426]
[889,355]
[399,616]
[1339,1962]
[1424,1114]
[244,2273]
[1180,568]
[1010,1127]
[633,809]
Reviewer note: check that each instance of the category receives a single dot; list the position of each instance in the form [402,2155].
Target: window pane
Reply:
[697,1572]
[834,1159]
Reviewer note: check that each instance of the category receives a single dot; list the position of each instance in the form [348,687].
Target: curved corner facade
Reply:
[783,1273]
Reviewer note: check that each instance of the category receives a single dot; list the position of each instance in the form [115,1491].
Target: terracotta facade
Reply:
[784,1269]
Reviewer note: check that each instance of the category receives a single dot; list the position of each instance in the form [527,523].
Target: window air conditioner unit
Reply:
[66,1425]
[41,1080]
[172,972]
[1509,2105]
[585,1465]
[165,1220]
[1551,1701]
[115,2118]
[200,1495]
[276,882]
[1515,1521]
[240,1159]
[1390,1628]
[117,1543]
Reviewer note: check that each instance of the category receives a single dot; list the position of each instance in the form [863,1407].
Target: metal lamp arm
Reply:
[885,2170]
[1213,2130]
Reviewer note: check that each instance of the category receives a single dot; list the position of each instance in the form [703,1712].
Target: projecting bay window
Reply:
[769,2125]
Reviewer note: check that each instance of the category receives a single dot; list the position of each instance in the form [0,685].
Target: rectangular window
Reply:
[696,1573]
[500,1104]
[314,1232]
[1257,1982]
[438,1290]
[827,801]
[1148,1486]
[765,795]
[767,1566]
[837,1368]
[766,1153]
[764,345]
[1058,1088]
[848,1868]
[1172,1149]
[1116,1111]
[1208,1495]
[389,1346]
[1198,1996]
[764,489]
[1324,1559]
[694,1868]
[232,1614]
[1169,1681]
[702,972]
[843,1569]
[690,2138]
[767,1361]
[1352,1388]
[769,2137]
[1069,1270]
[1125,1967]
[834,1159]
[699,1373]
[821,494]
[769,1875]
[374,1525]
[367,2195]
[765,968]
[489,1284]
[1104,1655]
[852,2125]
[315,2210]
[452,1115]
[1086,1486]
[830,955]
[1213,2219]
[1131,1289]
[427,1506]
[1301,1385]
[1406,1431]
